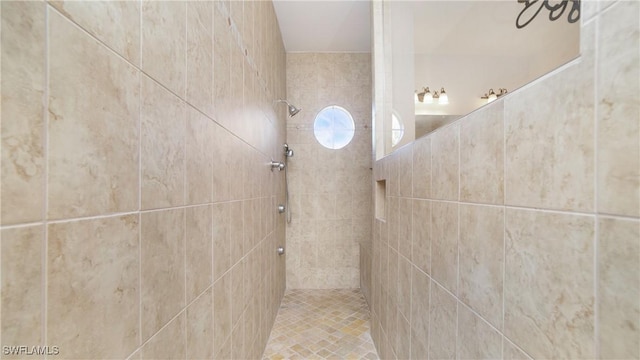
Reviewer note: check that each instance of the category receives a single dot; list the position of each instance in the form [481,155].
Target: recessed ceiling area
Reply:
[325,26]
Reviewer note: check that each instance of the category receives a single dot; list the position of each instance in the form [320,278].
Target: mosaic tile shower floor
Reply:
[321,324]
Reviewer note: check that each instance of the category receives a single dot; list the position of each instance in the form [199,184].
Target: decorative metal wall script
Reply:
[555,11]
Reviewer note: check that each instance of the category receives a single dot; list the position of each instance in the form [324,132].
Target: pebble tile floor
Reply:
[321,324]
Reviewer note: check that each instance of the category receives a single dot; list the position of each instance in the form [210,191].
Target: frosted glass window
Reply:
[334,127]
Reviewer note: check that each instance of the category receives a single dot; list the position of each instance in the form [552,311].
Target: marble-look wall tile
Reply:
[236,13]
[405,171]
[511,352]
[252,165]
[163,119]
[549,303]
[392,181]
[476,339]
[163,268]
[200,55]
[22,129]
[198,248]
[392,324]
[234,119]
[94,105]
[225,351]
[393,276]
[98,17]
[249,25]
[221,68]
[444,244]
[404,286]
[200,327]
[482,260]
[419,314]
[422,168]
[164,44]
[80,252]
[228,160]
[405,220]
[445,168]
[589,8]
[221,240]
[237,341]
[421,235]
[550,149]
[403,338]
[619,103]
[237,293]
[22,318]
[236,231]
[199,158]
[442,324]
[618,288]
[482,155]
[169,343]
[221,312]
[393,206]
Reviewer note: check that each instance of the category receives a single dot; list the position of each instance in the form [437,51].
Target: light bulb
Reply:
[443,99]
[428,97]
[492,96]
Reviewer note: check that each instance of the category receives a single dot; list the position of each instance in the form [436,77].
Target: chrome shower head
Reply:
[288,152]
[292,109]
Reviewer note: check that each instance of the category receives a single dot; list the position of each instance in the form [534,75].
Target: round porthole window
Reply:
[397,129]
[334,127]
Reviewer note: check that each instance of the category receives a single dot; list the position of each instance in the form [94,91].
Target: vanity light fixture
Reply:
[492,95]
[427,97]
[424,96]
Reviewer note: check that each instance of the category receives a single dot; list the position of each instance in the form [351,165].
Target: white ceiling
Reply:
[325,26]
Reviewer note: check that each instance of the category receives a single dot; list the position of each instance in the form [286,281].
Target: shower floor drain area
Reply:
[321,324]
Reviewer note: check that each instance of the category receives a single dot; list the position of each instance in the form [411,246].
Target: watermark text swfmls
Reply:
[31,350]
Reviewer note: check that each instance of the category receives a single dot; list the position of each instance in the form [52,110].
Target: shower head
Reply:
[292,109]
[288,152]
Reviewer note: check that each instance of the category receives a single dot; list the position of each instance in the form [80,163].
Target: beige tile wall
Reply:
[523,217]
[138,211]
[330,190]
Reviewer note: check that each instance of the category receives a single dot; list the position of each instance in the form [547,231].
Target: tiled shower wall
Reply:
[330,190]
[515,232]
[138,208]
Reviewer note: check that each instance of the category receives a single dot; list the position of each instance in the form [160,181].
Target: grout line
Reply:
[596,237]
[140,59]
[458,279]
[504,270]
[2,178]
[561,212]
[429,314]
[186,50]
[504,338]
[185,185]
[504,215]
[184,254]
[181,312]
[139,280]
[116,214]
[45,247]
[140,37]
